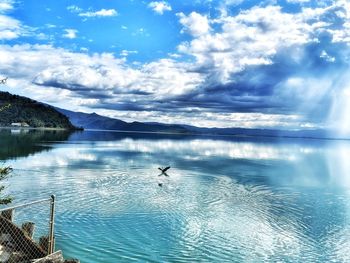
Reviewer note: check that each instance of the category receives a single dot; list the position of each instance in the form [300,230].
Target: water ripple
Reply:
[113,206]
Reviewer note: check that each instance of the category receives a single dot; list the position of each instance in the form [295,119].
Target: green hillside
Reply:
[17,110]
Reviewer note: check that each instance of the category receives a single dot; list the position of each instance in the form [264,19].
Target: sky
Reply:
[231,63]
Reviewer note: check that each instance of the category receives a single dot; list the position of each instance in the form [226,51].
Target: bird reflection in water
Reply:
[164,170]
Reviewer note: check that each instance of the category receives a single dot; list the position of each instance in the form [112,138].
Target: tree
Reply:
[4,173]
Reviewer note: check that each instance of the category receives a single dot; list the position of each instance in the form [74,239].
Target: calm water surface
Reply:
[225,199]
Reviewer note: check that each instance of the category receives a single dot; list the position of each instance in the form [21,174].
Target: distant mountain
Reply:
[22,111]
[95,121]
[314,133]
[15,109]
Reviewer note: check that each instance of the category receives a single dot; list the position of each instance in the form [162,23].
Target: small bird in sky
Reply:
[3,81]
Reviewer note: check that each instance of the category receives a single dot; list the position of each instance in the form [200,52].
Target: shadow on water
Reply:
[22,143]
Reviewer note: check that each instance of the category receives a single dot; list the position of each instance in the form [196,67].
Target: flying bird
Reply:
[164,169]
[3,81]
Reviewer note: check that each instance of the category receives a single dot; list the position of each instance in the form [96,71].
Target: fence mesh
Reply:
[26,231]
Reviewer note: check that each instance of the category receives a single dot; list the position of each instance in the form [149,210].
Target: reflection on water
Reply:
[232,200]
[23,142]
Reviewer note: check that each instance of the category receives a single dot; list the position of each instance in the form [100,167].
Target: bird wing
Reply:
[166,168]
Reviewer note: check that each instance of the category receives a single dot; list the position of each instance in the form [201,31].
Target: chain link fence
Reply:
[27,231]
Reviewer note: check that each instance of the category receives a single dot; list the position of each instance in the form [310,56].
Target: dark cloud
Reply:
[119,106]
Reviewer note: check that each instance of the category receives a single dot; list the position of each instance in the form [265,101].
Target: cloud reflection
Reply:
[222,200]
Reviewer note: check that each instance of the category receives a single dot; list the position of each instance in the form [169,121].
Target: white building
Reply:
[19,124]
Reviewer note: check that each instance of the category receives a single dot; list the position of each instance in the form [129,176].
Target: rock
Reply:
[28,228]
[16,257]
[44,243]
[8,214]
[56,257]
[74,260]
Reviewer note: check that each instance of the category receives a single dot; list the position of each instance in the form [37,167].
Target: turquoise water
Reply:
[224,199]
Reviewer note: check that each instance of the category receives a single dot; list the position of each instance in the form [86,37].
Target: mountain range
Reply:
[18,109]
[95,121]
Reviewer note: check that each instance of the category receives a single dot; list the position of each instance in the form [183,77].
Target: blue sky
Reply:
[230,63]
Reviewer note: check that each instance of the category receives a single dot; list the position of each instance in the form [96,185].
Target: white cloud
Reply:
[70,33]
[78,80]
[100,13]
[195,24]
[233,2]
[141,32]
[6,6]
[160,7]
[10,28]
[77,76]
[327,57]
[103,73]
[205,118]
[298,1]
[167,77]
[50,25]
[221,47]
[74,9]
[42,36]
[333,20]
[125,53]
[255,36]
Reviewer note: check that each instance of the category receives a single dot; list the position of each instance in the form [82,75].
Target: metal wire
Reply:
[26,231]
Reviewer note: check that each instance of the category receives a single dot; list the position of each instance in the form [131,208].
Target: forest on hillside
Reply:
[18,109]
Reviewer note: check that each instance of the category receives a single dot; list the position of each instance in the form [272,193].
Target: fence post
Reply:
[51,246]
[28,228]
[8,214]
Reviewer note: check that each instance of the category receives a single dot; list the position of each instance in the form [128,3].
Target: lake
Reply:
[225,199]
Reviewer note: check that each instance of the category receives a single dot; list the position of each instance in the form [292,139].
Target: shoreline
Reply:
[222,135]
[176,133]
[38,128]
